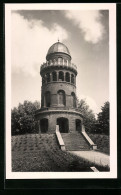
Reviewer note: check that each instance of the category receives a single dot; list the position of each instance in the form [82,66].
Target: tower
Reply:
[58,92]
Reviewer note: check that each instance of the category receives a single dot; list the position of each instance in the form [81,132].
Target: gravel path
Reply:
[93,156]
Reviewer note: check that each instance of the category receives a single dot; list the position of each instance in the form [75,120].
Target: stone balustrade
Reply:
[63,63]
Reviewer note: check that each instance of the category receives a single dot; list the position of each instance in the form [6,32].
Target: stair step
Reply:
[75,141]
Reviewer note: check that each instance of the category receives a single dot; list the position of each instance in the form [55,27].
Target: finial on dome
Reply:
[58,39]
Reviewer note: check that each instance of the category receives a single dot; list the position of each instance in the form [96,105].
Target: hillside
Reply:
[102,142]
[37,153]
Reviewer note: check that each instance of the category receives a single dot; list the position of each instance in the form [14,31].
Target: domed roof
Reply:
[58,47]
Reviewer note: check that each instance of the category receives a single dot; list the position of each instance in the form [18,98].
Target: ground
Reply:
[37,153]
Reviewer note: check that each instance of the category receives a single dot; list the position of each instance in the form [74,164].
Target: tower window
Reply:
[72,79]
[47,99]
[44,79]
[67,77]
[54,76]
[48,77]
[61,98]
[61,76]
[73,100]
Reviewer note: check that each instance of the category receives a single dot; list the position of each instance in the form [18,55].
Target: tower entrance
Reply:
[44,125]
[78,125]
[63,124]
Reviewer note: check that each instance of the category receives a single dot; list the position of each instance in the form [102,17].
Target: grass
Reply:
[40,153]
[102,141]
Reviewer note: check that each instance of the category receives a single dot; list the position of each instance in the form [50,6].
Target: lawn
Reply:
[41,153]
[102,141]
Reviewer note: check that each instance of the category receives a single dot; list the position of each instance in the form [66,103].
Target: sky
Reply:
[84,32]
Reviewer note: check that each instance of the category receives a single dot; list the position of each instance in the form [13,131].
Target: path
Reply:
[93,156]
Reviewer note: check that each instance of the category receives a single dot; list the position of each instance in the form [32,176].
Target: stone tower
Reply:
[58,92]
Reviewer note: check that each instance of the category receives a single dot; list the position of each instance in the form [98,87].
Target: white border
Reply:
[112,86]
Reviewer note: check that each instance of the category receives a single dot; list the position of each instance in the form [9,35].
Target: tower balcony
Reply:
[57,109]
[63,64]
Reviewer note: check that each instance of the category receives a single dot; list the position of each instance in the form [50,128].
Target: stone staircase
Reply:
[75,141]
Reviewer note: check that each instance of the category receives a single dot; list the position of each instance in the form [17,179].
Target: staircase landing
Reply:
[75,142]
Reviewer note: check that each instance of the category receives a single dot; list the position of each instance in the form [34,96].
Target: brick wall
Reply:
[52,120]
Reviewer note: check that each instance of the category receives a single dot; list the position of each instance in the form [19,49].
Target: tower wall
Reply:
[53,88]
[53,116]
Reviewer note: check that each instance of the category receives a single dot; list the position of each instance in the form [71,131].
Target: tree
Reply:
[22,118]
[89,117]
[103,118]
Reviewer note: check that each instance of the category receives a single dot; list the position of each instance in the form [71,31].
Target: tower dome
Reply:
[58,48]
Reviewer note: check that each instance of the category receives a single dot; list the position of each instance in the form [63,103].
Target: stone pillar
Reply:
[70,78]
[57,76]
[67,62]
[75,80]
[64,76]
[44,101]
[50,77]
[63,62]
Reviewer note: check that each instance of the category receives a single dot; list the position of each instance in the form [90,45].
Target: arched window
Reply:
[43,80]
[54,76]
[47,99]
[72,79]
[60,61]
[73,100]
[65,62]
[61,98]
[48,77]
[67,77]
[61,76]
[55,62]
[51,63]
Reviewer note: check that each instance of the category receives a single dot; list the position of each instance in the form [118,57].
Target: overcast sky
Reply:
[85,33]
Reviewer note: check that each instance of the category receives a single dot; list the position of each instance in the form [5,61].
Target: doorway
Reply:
[63,124]
[78,125]
[44,125]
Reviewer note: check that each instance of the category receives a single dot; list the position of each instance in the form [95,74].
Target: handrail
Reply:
[71,65]
[59,138]
[94,146]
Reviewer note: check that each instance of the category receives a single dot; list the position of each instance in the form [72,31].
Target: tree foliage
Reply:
[103,119]
[22,118]
[89,117]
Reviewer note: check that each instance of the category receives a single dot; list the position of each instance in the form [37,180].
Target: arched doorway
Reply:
[63,124]
[44,125]
[78,125]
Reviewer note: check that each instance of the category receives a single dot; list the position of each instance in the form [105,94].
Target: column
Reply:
[70,78]
[44,101]
[64,76]
[50,77]
[67,62]
[63,62]
[57,76]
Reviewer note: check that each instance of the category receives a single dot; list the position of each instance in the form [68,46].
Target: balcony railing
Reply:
[56,108]
[63,64]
